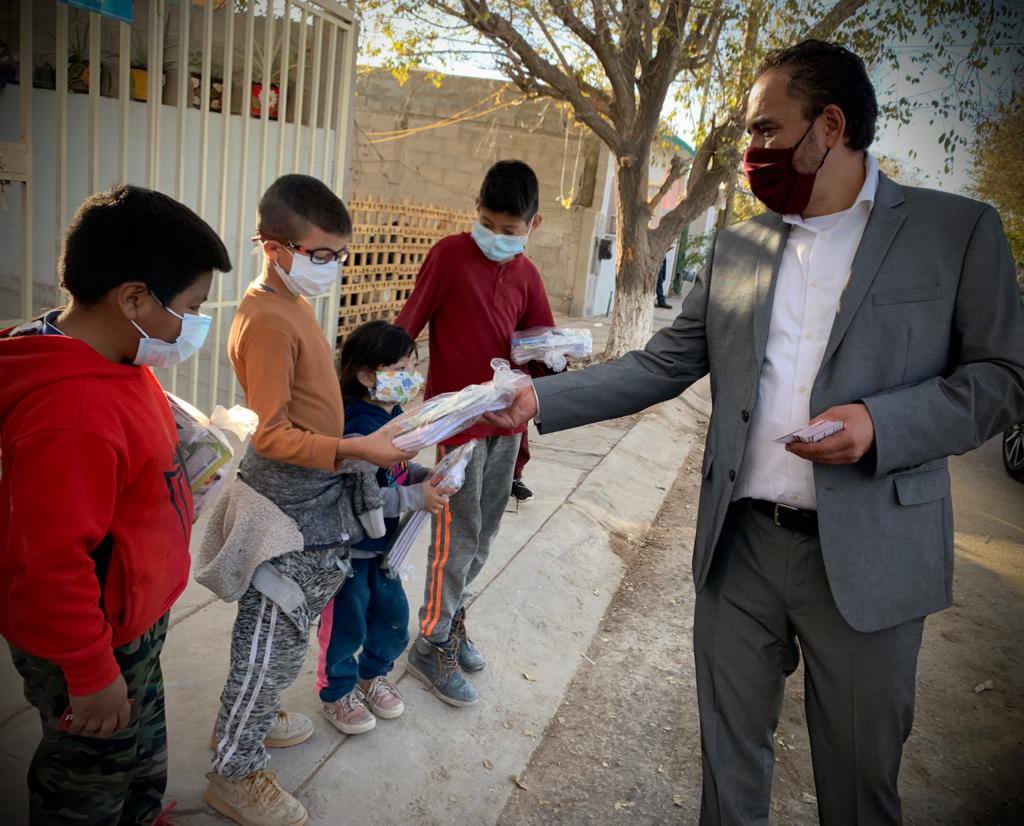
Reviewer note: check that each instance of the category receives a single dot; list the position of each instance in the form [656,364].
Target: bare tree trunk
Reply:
[635,272]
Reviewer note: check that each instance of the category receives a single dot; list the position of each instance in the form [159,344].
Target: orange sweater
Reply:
[286,368]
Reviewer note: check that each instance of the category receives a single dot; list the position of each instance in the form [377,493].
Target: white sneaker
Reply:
[349,715]
[254,800]
[290,728]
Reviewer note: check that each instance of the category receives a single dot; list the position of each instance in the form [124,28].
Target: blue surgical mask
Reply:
[155,352]
[496,247]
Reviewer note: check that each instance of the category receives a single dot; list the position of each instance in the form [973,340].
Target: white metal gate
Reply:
[205,100]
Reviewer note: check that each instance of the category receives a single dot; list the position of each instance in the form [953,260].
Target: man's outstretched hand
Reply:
[522,409]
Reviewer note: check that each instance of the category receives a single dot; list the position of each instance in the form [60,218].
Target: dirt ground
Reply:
[625,745]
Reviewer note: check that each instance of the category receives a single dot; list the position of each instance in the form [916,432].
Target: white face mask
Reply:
[309,279]
[155,352]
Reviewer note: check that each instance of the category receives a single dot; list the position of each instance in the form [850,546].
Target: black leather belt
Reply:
[784,516]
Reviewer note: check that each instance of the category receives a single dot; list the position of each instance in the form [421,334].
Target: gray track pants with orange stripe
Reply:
[461,535]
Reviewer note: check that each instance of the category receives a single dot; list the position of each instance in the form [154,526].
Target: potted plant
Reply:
[78,62]
[195,85]
[139,71]
[256,93]
[261,63]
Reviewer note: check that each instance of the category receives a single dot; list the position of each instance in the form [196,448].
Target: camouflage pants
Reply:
[84,780]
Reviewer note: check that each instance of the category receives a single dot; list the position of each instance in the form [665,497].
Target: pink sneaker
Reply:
[349,714]
[382,698]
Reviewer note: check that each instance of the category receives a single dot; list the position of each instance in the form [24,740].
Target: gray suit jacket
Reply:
[929,335]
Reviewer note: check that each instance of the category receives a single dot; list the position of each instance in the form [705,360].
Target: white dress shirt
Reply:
[814,272]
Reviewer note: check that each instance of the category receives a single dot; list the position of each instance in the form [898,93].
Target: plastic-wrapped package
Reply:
[206,446]
[448,474]
[446,415]
[552,345]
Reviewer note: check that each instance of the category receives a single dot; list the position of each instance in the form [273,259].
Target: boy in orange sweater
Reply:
[286,368]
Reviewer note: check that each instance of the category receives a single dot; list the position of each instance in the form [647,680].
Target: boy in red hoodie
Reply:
[474,290]
[95,507]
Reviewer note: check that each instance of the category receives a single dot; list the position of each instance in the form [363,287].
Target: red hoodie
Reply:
[473,305]
[92,486]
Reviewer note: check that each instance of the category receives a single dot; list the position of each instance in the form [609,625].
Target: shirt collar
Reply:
[866,196]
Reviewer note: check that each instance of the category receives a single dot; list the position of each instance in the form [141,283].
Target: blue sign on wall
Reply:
[118,9]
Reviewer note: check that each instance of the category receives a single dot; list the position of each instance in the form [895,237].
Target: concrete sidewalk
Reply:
[539,601]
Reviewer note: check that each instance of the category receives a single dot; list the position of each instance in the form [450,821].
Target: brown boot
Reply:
[254,800]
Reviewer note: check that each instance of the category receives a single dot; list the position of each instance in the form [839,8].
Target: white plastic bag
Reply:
[551,345]
[450,474]
[446,415]
[206,444]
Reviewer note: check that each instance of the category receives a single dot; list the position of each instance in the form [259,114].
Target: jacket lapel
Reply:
[766,271]
[887,217]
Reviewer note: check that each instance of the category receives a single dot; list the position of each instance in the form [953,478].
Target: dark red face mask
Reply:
[774,180]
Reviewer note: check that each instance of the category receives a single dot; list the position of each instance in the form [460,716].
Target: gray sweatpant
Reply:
[267,651]
[461,536]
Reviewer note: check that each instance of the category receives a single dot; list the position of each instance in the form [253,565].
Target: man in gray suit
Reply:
[890,309]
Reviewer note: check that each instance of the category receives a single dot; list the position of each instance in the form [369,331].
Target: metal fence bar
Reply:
[124,80]
[153,95]
[266,90]
[25,79]
[343,127]
[282,117]
[314,110]
[95,78]
[332,72]
[243,216]
[300,86]
[205,84]
[62,121]
[228,72]
[184,20]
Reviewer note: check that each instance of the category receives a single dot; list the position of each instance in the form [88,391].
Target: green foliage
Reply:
[999,168]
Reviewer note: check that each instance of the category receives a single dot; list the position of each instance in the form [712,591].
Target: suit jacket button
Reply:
[746,415]
[732,475]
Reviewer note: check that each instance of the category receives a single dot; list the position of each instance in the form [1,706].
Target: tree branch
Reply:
[659,72]
[841,11]
[600,43]
[677,168]
[537,75]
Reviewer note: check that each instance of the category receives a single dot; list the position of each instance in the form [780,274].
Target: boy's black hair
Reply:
[134,234]
[511,187]
[293,202]
[368,347]
[823,73]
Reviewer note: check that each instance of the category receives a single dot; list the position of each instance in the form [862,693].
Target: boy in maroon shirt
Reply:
[474,290]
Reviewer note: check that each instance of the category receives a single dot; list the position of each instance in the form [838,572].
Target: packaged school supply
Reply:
[448,474]
[446,415]
[552,345]
[814,432]
[205,445]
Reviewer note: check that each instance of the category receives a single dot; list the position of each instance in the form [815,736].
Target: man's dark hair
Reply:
[826,73]
[371,346]
[134,234]
[293,202]
[511,187]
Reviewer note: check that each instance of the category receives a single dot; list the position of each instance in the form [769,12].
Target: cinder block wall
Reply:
[445,165]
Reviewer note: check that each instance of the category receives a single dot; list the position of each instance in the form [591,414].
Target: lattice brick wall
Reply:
[389,242]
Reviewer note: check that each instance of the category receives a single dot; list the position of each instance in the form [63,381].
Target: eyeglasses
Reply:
[319,255]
